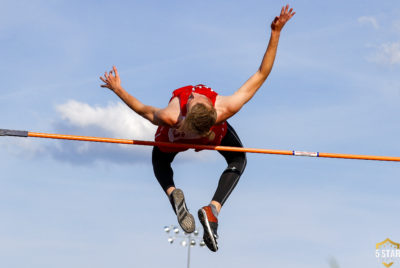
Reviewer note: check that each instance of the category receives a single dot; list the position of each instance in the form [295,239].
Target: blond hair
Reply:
[199,119]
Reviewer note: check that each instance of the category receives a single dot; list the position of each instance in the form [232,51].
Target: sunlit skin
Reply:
[226,106]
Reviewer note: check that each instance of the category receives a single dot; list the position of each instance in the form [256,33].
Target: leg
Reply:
[236,164]
[163,170]
[164,174]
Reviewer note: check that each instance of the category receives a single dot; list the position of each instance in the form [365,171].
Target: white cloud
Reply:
[77,118]
[368,20]
[115,119]
[388,53]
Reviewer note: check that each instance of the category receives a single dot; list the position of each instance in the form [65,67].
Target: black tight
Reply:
[229,178]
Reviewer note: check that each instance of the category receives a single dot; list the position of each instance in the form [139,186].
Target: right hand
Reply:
[280,21]
[112,81]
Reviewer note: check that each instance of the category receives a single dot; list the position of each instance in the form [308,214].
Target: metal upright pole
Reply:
[188,260]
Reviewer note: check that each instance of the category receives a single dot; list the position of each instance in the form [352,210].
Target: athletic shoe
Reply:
[210,225]
[185,219]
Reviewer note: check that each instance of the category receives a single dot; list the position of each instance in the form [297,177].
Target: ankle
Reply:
[169,191]
[217,206]
[214,210]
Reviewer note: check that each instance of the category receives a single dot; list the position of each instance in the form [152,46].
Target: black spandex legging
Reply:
[236,164]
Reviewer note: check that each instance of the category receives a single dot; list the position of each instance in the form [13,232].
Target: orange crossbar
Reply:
[212,147]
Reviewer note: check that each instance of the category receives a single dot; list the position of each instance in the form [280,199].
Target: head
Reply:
[200,117]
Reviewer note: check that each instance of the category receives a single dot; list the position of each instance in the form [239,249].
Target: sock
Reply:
[214,210]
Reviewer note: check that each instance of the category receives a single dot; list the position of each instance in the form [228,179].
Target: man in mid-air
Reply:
[198,115]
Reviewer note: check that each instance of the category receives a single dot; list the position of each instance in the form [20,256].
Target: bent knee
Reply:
[238,165]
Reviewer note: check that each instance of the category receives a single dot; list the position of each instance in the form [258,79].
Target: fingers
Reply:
[105,79]
[286,12]
[115,71]
[106,84]
[109,77]
[291,13]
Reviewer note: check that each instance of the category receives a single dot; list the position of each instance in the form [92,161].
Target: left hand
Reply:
[111,81]
[280,21]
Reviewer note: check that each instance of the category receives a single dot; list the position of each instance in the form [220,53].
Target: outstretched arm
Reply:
[113,82]
[227,106]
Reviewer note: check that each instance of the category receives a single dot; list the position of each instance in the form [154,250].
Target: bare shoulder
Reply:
[221,102]
[222,108]
[170,114]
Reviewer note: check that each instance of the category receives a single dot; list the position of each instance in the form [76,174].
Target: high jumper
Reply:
[197,114]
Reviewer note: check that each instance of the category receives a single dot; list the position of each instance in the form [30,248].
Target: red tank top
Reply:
[169,134]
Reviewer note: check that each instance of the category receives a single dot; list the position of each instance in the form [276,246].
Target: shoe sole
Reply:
[185,219]
[208,236]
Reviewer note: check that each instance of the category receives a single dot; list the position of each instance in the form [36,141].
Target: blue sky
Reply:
[334,88]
